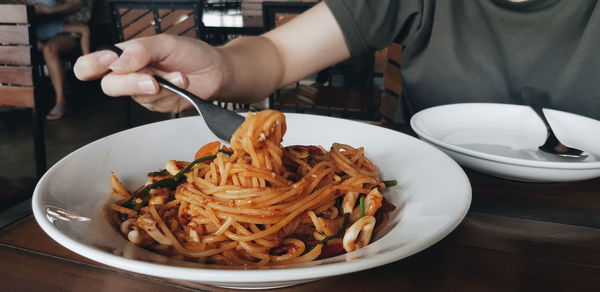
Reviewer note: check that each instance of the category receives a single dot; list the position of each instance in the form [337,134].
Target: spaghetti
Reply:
[256,203]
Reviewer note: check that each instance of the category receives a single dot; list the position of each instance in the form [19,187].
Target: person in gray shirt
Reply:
[453,51]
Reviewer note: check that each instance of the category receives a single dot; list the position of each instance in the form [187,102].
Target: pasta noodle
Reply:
[256,203]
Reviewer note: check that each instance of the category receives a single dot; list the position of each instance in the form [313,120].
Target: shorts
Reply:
[48,30]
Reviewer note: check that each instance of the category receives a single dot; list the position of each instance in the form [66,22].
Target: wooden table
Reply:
[517,236]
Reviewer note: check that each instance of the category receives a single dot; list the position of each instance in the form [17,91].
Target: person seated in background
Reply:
[454,51]
[48,28]
[62,22]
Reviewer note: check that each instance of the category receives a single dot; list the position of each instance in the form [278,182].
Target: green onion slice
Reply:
[390,183]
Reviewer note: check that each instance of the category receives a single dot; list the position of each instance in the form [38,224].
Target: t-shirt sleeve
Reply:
[370,25]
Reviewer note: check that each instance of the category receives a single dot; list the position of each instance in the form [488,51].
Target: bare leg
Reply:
[52,51]
[82,30]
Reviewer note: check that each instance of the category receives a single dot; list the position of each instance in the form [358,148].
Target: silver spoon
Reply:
[552,145]
[221,121]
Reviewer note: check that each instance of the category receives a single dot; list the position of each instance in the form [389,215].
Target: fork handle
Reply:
[113,48]
[534,99]
[178,90]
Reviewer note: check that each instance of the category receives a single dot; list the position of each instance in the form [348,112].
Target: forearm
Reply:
[253,69]
[245,70]
[257,66]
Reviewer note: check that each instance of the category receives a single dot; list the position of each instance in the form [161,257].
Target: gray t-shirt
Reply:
[483,50]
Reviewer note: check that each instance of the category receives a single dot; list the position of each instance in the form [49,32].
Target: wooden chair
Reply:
[356,97]
[20,72]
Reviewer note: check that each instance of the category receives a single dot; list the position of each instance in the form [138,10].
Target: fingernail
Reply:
[121,63]
[176,79]
[146,84]
[107,59]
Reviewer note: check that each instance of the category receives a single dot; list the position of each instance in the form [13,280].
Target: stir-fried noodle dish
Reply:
[256,202]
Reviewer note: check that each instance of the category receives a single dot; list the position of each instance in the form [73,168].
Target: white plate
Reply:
[432,198]
[502,140]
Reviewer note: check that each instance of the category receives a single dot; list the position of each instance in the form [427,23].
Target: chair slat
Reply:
[14,34]
[16,76]
[181,27]
[122,11]
[13,55]
[13,14]
[395,52]
[17,96]
[165,12]
[191,33]
[172,17]
[392,78]
[148,31]
[138,26]
[133,15]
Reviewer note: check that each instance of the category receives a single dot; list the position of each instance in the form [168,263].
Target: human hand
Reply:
[188,63]
[41,9]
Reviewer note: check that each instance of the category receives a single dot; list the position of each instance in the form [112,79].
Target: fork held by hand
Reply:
[222,122]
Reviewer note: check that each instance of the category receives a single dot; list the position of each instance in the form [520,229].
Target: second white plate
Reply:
[502,140]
